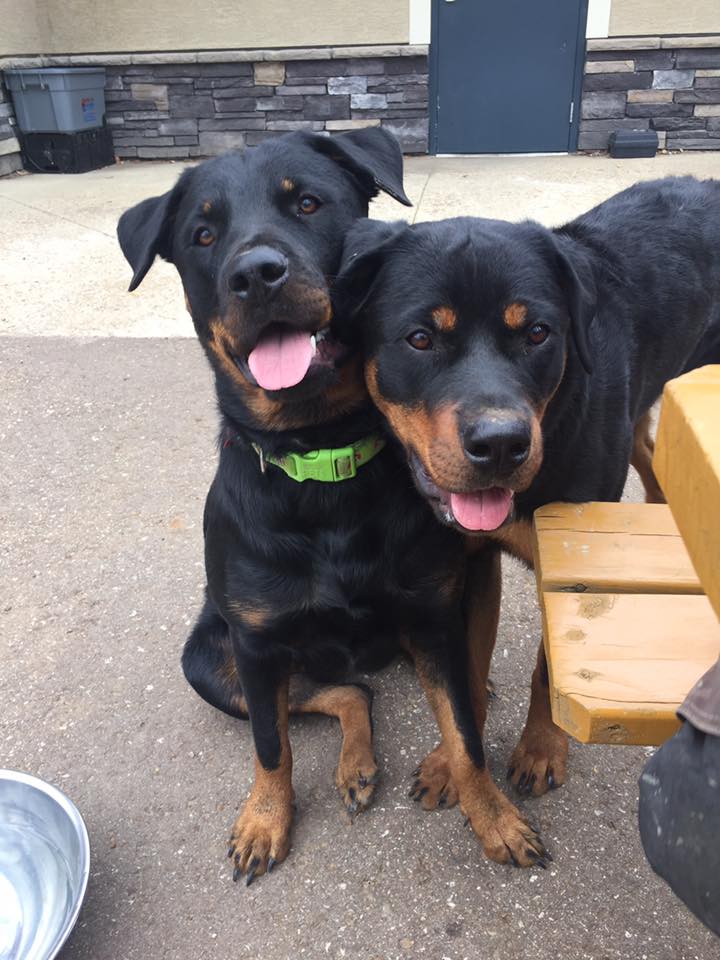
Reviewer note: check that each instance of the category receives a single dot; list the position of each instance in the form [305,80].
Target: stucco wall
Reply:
[23,26]
[659,17]
[98,26]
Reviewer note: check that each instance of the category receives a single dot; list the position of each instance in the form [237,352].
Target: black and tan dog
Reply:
[321,558]
[517,366]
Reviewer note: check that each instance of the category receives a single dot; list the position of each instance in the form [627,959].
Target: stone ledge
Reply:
[216,56]
[622,43]
[675,43]
[298,53]
[599,44]
[141,58]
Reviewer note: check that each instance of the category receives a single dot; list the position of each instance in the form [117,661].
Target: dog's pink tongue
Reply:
[281,359]
[484,510]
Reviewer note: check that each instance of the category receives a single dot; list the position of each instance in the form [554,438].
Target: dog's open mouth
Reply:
[479,511]
[284,355]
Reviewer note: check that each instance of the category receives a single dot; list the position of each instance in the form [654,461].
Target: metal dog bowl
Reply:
[44,866]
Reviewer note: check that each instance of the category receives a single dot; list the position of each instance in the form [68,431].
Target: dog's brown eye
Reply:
[538,333]
[204,237]
[308,204]
[420,340]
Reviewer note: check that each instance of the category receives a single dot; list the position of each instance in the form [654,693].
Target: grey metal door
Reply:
[505,75]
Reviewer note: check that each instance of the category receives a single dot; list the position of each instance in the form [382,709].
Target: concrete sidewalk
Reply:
[63,273]
[108,449]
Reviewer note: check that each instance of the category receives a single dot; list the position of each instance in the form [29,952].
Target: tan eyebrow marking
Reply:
[445,319]
[515,315]
[206,207]
[287,184]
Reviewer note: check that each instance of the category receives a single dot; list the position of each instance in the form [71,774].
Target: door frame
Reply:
[579,68]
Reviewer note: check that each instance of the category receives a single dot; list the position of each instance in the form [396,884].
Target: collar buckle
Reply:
[324,465]
[327,465]
[344,463]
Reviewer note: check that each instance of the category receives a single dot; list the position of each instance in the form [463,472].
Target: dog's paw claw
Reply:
[539,761]
[432,786]
[259,842]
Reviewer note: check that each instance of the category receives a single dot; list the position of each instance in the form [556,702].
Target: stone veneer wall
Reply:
[198,110]
[181,106]
[9,147]
[187,105]
[653,84]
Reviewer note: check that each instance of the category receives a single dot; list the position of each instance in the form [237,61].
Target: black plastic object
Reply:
[625,144]
[68,152]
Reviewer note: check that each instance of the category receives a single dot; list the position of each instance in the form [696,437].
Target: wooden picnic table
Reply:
[687,465]
[627,591]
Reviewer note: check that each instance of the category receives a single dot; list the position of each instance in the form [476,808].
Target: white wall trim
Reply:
[598,20]
[420,20]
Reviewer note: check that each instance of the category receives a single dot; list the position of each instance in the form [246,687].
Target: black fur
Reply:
[629,293]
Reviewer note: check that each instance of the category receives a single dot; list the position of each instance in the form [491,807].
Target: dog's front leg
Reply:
[505,835]
[433,786]
[539,761]
[261,834]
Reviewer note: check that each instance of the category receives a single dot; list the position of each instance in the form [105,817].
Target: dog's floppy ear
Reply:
[372,155]
[578,284]
[145,231]
[367,244]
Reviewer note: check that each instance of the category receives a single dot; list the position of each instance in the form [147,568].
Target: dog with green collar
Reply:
[322,560]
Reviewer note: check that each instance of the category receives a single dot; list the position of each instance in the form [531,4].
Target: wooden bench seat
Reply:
[627,627]
[614,547]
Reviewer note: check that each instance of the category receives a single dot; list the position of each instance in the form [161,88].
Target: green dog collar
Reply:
[325,466]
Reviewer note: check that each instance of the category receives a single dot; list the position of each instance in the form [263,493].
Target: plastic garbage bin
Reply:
[58,99]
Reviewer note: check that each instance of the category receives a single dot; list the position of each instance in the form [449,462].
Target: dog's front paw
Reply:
[433,787]
[539,761]
[260,836]
[505,836]
[356,777]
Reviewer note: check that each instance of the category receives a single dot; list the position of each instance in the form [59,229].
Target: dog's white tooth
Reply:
[446,512]
[313,341]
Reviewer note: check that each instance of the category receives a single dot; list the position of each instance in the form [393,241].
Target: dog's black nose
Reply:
[499,445]
[260,271]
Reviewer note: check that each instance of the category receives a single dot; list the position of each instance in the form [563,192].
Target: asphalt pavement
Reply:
[107,432]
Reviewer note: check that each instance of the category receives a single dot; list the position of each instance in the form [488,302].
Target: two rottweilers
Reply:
[321,558]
